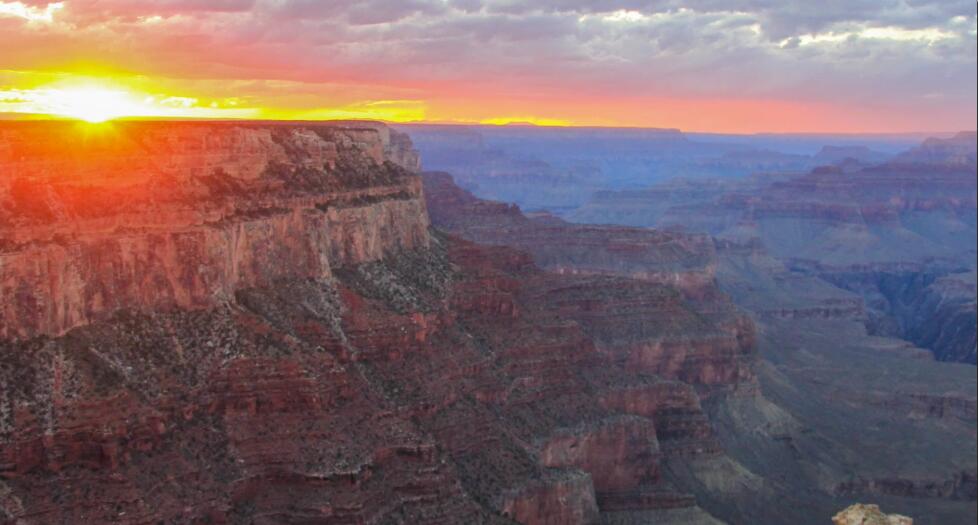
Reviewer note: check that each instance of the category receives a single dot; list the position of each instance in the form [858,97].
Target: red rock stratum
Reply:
[254,323]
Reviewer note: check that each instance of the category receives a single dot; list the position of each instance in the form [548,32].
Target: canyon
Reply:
[559,169]
[263,322]
[888,219]
[263,309]
[858,275]
[786,428]
[900,235]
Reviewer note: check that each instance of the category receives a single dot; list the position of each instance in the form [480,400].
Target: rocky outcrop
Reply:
[682,428]
[620,453]
[860,514]
[184,214]
[567,499]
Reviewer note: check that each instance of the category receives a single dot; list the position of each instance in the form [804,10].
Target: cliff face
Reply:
[686,261]
[253,323]
[546,167]
[243,322]
[636,327]
[930,309]
[778,241]
[184,214]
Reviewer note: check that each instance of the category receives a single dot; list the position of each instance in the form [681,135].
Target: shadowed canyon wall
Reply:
[834,264]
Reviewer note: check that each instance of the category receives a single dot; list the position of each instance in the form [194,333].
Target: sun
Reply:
[92,104]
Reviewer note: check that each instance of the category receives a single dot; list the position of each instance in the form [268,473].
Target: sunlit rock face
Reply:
[149,215]
[860,514]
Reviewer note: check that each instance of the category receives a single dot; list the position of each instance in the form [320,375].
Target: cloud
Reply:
[888,54]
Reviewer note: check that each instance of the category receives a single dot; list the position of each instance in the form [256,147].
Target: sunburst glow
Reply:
[94,100]
[702,66]
[94,104]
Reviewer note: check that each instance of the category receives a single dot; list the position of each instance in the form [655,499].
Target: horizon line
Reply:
[41,117]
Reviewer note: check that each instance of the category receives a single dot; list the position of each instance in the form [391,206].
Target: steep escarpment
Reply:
[155,215]
[932,309]
[686,261]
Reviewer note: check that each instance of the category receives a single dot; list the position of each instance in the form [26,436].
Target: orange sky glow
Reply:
[442,62]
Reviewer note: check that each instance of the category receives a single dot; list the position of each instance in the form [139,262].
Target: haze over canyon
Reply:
[488,262]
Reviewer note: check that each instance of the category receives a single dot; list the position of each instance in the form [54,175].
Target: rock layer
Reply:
[685,261]
[265,330]
[185,214]
[899,234]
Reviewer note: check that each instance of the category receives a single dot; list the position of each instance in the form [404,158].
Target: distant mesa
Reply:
[521,123]
[959,150]
[846,154]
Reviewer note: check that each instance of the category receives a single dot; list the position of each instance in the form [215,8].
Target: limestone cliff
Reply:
[156,215]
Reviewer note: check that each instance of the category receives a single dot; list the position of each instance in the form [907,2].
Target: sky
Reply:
[734,66]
